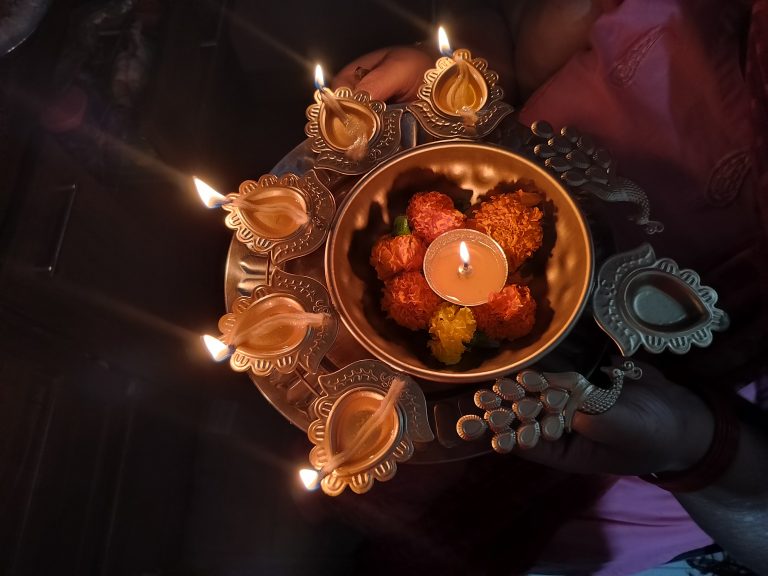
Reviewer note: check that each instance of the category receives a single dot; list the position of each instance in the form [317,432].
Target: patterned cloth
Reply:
[662,88]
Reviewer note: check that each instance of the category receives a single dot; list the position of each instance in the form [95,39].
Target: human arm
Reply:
[524,41]
[658,426]
[734,510]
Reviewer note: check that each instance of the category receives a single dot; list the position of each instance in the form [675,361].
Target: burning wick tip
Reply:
[210,197]
[217,349]
[311,478]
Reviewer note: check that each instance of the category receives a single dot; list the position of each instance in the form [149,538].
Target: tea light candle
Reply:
[273,212]
[465,266]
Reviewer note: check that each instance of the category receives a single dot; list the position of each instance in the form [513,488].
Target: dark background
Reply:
[123,449]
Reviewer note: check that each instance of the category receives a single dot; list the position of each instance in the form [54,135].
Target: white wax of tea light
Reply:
[465,266]
[271,212]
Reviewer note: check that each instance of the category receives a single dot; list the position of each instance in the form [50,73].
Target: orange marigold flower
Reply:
[409,300]
[432,213]
[394,254]
[509,314]
[516,226]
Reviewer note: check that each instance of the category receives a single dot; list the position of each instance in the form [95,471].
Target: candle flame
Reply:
[208,195]
[218,350]
[442,42]
[464,253]
[310,478]
[319,78]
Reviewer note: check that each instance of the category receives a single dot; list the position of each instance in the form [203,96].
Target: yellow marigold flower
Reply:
[451,327]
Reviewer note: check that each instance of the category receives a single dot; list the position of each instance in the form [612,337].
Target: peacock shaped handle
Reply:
[542,406]
[587,168]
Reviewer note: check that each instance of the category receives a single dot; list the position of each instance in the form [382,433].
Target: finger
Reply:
[349,75]
[381,84]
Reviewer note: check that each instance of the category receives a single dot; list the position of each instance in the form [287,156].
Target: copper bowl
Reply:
[560,273]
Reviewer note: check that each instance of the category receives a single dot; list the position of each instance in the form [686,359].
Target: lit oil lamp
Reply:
[276,328]
[465,266]
[284,217]
[460,96]
[350,132]
[460,89]
[364,426]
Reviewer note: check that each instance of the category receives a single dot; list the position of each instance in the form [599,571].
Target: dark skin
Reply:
[656,425]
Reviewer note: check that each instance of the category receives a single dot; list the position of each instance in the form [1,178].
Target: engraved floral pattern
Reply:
[614,314]
[384,144]
[439,124]
[412,411]
[321,208]
[314,298]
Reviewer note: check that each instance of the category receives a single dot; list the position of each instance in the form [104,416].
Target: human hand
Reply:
[391,74]
[655,426]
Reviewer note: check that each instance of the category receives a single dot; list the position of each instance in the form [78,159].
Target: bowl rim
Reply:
[436,375]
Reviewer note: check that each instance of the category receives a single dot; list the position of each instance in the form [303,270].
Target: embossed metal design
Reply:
[383,143]
[367,379]
[437,121]
[642,301]
[589,169]
[313,297]
[320,206]
[542,406]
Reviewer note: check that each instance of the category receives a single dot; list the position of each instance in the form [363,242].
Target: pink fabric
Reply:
[663,91]
[632,527]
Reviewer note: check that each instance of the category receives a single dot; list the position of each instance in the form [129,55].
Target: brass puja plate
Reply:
[561,272]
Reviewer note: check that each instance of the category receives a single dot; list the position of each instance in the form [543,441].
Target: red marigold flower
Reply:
[409,300]
[433,213]
[394,254]
[509,314]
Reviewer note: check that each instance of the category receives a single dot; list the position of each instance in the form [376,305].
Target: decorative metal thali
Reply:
[637,300]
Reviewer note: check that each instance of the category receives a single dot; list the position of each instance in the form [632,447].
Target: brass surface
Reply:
[330,137]
[308,191]
[337,134]
[442,95]
[561,272]
[436,112]
[304,293]
[348,396]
